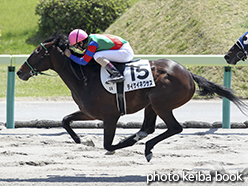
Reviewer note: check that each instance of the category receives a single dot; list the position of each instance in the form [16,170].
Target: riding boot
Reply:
[115,75]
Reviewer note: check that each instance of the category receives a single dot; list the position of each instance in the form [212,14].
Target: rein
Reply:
[34,72]
[84,78]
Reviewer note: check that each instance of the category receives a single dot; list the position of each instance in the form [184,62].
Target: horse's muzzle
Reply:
[227,58]
[22,75]
[231,59]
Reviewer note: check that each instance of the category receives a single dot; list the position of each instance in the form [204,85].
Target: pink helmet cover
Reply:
[77,36]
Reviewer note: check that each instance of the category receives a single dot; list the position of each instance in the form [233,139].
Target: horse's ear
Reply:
[59,32]
[56,33]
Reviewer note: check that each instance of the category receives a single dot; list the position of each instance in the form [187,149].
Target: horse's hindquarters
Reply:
[174,85]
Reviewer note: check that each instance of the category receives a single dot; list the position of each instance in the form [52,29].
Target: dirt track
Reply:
[31,156]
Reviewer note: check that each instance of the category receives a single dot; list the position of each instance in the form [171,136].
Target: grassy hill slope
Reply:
[187,27]
[182,27]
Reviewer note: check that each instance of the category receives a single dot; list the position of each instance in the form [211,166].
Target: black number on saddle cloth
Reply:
[138,69]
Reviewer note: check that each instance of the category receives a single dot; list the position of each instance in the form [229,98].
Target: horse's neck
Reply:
[61,65]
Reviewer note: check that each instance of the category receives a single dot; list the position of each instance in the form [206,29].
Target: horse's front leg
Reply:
[76,116]
[109,132]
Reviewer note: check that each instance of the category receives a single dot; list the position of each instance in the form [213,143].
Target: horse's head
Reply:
[40,59]
[37,62]
[238,51]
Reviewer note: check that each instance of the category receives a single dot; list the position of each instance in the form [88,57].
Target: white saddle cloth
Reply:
[137,75]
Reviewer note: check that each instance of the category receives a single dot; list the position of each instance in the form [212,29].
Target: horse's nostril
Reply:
[19,72]
[226,57]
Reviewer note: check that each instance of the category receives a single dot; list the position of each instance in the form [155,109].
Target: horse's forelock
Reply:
[50,39]
[62,41]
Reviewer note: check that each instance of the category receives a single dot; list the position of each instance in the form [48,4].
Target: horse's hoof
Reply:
[149,157]
[77,140]
[109,152]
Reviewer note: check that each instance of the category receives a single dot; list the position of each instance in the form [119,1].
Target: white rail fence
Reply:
[187,60]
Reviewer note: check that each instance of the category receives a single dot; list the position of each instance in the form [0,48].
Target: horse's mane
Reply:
[60,40]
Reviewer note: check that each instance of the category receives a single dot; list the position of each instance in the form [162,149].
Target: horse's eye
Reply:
[38,49]
[245,40]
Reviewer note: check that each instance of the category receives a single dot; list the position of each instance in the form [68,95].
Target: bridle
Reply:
[34,72]
[242,54]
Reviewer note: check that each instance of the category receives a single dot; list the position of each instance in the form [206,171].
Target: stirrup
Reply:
[116,79]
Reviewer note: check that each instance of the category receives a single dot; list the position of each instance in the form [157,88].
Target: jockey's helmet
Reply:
[77,36]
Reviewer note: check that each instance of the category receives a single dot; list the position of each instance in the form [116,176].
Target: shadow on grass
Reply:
[36,38]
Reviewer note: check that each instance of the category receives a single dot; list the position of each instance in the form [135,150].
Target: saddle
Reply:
[120,94]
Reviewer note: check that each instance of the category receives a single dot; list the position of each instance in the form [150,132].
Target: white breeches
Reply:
[124,54]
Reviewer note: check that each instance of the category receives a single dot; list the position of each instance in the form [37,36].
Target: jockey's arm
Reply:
[90,51]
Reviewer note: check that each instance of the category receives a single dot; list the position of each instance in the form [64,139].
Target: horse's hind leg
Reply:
[149,120]
[148,127]
[173,128]
[76,116]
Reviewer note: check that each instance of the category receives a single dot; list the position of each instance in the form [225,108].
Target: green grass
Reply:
[40,86]
[18,24]
[151,26]
[133,2]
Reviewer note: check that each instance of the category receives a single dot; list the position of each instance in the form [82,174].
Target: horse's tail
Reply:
[209,88]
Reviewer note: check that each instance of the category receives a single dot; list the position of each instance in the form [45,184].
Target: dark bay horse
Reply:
[238,51]
[174,87]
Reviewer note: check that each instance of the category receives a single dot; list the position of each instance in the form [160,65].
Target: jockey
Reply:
[103,48]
